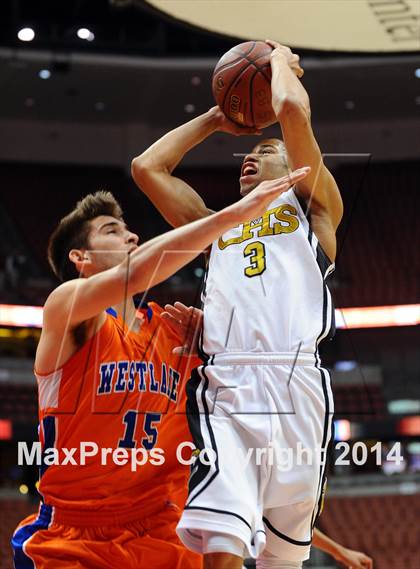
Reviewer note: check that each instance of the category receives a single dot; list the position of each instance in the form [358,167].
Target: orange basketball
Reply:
[242,84]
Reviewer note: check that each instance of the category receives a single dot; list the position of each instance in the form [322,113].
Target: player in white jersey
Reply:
[261,404]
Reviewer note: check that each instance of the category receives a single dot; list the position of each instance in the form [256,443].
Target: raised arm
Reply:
[79,300]
[152,170]
[291,105]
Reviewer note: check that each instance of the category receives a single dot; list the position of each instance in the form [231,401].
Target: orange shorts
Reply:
[44,541]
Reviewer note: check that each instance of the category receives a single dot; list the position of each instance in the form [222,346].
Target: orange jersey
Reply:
[116,392]
[42,543]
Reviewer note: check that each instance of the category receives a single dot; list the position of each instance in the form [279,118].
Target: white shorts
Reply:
[267,420]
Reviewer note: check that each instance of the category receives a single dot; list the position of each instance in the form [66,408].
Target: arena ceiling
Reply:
[145,73]
[342,25]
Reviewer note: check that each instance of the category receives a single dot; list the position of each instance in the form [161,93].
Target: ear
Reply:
[81,259]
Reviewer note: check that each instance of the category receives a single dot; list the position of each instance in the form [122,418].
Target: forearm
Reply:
[168,151]
[159,258]
[323,542]
[287,90]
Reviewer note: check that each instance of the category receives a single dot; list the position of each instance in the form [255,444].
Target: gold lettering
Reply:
[256,252]
[286,213]
[263,225]
[232,241]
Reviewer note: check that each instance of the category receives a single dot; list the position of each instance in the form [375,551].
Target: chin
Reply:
[247,190]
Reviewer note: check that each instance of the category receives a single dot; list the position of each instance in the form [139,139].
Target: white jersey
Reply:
[265,289]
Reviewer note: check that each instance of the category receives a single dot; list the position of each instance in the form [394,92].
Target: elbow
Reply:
[140,166]
[143,166]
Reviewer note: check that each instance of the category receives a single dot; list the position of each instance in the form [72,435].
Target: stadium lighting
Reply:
[403,406]
[417,73]
[85,34]
[346,318]
[345,365]
[342,430]
[26,34]
[44,74]
[5,430]
[378,316]
[21,316]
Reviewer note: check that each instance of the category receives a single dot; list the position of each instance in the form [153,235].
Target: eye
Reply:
[111,231]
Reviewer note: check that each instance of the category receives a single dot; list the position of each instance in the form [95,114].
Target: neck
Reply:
[127,311]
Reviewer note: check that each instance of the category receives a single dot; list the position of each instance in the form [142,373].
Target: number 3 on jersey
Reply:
[149,428]
[256,253]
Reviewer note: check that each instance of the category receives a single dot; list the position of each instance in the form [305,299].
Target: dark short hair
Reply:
[73,231]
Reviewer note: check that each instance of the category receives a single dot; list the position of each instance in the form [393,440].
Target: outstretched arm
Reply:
[81,299]
[348,557]
[152,170]
[291,105]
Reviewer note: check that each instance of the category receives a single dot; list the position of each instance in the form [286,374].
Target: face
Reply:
[267,161]
[109,243]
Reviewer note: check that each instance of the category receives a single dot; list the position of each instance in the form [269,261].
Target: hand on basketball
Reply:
[354,559]
[255,203]
[292,58]
[185,322]
[226,125]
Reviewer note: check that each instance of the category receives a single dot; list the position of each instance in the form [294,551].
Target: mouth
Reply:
[249,169]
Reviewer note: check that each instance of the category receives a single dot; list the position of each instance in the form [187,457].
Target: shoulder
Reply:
[58,299]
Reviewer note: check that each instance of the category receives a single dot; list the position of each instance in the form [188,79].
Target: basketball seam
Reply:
[258,69]
[240,56]
[251,100]
[232,83]
[262,72]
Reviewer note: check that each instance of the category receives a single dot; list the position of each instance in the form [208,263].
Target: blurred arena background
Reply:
[101,80]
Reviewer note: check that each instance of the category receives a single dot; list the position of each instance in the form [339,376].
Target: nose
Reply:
[132,238]
[250,158]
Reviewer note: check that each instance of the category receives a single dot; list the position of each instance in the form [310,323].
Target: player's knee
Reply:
[268,561]
[222,551]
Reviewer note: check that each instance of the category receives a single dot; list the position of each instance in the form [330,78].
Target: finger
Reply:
[166,316]
[174,325]
[182,306]
[272,43]
[171,320]
[296,175]
[300,72]
[241,130]
[188,314]
[174,312]
[181,351]
[284,183]
[250,130]
[291,178]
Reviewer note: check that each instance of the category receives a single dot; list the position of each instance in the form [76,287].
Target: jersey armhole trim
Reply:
[302,206]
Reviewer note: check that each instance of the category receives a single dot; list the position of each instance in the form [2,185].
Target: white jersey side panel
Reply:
[265,289]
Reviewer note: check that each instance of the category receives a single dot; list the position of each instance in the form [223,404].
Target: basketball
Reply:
[242,84]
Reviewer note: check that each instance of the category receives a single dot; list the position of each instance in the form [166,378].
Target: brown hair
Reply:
[73,231]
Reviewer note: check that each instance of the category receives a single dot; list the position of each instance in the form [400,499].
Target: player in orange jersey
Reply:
[107,382]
